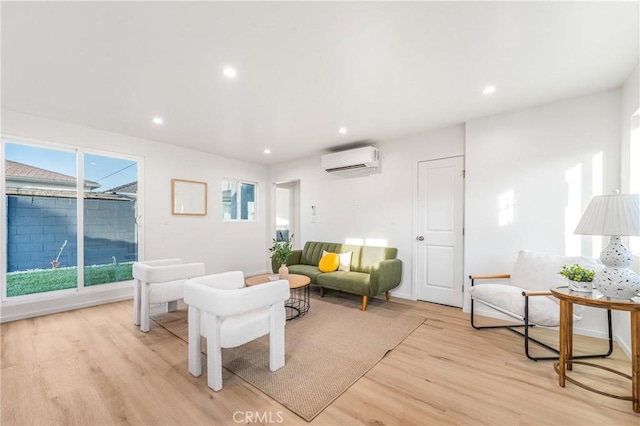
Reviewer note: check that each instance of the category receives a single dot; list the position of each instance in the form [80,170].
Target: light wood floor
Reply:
[94,367]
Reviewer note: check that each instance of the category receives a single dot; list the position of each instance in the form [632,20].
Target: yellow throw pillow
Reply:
[329,262]
[345,260]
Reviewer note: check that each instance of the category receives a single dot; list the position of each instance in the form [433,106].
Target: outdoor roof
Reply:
[17,170]
[127,188]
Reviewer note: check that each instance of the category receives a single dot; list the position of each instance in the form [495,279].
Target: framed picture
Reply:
[188,197]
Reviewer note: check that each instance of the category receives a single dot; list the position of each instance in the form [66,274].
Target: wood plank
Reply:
[93,366]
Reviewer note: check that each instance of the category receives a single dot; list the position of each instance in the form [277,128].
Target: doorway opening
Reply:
[287,211]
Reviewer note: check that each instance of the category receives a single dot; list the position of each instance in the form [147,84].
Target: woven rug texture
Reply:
[327,350]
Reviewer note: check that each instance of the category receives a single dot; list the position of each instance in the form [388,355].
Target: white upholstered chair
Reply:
[160,281]
[524,295]
[228,315]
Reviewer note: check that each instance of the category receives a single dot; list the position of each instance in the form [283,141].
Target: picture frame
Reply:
[188,197]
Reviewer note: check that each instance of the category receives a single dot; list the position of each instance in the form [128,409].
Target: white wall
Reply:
[377,206]
[221,245]
[530,152]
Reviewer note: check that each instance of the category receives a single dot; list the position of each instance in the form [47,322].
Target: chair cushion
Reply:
[540,271]
[240,329]
[509,300]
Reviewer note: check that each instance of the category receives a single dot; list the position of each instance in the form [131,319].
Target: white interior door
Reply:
[439,236]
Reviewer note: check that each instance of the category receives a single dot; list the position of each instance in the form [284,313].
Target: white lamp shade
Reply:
[617,214]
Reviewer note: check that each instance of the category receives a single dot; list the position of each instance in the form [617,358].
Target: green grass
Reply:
[43,280]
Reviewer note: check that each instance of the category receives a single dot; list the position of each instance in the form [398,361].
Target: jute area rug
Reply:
[327,350]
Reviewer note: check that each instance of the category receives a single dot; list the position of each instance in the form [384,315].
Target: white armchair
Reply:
[160,281]
[524,295]
[228,315]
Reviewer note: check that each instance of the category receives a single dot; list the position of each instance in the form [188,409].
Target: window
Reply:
[238,200]
[70,219]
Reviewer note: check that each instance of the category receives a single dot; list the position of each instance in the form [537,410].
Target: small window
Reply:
[238,200]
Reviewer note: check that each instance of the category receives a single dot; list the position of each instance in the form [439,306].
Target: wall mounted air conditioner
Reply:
[359,159]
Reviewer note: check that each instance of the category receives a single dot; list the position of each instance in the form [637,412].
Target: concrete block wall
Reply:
[38,227]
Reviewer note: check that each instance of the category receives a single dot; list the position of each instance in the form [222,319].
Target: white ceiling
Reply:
[384,70]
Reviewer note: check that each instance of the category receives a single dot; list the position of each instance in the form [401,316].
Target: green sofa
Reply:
[374,270]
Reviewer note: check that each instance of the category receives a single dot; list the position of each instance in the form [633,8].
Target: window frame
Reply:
[238,186]
[80,153]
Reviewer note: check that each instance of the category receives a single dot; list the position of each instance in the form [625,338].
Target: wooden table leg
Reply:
[635,360]
[569,335]
[566,324]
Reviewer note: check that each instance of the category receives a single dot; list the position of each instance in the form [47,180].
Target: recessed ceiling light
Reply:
[267,151]
[157,120]
[488,90]
[229,72]
[342,130]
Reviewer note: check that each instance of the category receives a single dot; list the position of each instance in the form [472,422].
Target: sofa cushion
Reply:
[350,282]
[371,256]
[310,271]
[312,251]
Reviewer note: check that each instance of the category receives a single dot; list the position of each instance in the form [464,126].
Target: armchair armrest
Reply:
[489,277]
[161,262]
[386,276]
[294,257]
[157,274]
[536,293]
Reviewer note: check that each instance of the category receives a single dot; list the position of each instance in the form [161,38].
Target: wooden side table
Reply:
[567,298]
[298,303]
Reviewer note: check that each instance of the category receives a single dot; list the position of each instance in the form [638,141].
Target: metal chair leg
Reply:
[527,337]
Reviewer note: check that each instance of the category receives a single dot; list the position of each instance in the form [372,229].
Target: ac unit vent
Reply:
[365,158]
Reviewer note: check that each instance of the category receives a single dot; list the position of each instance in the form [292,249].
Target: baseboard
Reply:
[13,311]
[623,345]
[402,295]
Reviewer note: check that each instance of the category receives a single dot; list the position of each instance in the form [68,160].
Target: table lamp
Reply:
[615,215]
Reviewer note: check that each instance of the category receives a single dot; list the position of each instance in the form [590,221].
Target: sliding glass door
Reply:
[56,240]
[41,219]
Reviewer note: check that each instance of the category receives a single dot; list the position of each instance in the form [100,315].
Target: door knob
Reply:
[420,238]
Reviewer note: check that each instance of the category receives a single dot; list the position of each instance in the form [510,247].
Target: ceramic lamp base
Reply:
[615,254]
[617,283]
[615,280]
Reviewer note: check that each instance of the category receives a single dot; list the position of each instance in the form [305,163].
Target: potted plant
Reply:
[280,251]
[580,278]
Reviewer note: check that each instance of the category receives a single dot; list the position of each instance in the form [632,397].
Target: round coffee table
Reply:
[298,303]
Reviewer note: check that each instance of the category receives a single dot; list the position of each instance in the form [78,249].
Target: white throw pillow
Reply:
[539,271]
[345,260]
